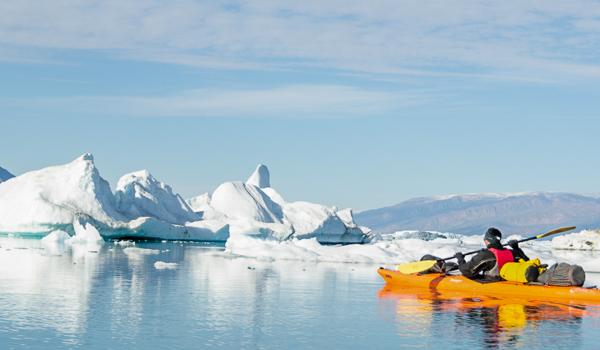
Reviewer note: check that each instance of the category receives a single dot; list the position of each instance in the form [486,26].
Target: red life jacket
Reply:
[502,256]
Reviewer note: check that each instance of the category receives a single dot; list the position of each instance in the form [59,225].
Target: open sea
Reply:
[113,296]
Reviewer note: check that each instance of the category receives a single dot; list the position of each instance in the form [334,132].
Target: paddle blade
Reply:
[416,267]
[553,232]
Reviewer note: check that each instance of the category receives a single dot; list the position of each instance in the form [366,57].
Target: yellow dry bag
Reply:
[522,271]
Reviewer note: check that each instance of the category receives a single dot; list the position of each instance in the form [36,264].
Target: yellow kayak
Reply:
[457,283]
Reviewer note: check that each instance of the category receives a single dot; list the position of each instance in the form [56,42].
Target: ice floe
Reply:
[140,251]
[396,248]
[584,240]
[161,265]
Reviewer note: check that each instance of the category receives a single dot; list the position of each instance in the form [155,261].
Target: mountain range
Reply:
[512,213]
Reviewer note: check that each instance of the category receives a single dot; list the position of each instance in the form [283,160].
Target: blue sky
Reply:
[349,103]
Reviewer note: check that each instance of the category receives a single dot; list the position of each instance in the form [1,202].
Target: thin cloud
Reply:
[295,101]
[509,40]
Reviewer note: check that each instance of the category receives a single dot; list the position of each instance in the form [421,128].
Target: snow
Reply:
[584,240]
[5,175]
[139,194]
[161,265]
[260,177]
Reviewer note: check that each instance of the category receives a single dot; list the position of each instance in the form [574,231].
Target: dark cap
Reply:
[493,235]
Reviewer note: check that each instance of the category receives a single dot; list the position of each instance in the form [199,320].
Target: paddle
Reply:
[424,265]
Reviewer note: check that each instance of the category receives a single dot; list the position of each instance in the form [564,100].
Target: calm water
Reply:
[106,298]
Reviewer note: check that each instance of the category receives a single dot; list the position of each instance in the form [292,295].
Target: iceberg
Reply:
[60,197]
[5,175]
[51,198]
[139,194]
[76,199]
[254,208]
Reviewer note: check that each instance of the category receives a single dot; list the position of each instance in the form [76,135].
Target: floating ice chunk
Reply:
[312,250]
[84,233]
[124,243]
[584,240]
[140,251]
[56,236]
[260,177]
[161,265]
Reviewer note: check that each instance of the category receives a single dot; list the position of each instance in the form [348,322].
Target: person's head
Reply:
[492,238]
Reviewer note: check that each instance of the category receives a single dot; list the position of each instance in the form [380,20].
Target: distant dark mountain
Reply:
[5,175]
[474,213]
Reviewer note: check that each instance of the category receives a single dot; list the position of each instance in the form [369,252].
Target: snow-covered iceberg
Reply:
[139,194]
[255,208]
[62,197]
[56,197]
[5,175]
[52,197]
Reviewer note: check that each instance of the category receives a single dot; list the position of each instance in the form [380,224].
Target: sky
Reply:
[350,103]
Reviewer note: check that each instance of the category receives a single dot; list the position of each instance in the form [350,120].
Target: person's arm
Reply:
[518,253]
[482,261]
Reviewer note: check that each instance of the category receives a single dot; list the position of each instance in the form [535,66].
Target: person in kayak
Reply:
[488,262]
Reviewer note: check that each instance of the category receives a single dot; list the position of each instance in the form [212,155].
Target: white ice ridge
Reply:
[64,196]
[400,247]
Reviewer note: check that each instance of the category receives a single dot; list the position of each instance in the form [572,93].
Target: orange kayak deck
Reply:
[458,283]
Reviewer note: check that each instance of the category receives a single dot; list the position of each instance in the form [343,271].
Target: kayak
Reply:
[457,283]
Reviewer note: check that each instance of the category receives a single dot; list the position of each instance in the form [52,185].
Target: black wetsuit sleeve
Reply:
[482,261]
[519,254]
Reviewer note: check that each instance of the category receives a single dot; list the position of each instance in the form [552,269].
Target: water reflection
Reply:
[106,297]
[502,322]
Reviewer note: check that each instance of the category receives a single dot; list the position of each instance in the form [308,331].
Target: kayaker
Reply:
[488,262]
